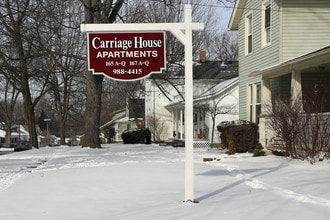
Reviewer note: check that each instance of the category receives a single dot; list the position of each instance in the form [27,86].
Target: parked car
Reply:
[20,146]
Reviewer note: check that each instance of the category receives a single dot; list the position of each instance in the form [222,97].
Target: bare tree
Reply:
[157,127]
[96,11]
[112,98]
[8,99]
[172,12]
[214,107]
[24,30]
[66,58]
[301,129]
[224,46]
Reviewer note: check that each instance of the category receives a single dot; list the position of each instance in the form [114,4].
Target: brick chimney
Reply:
[202,56]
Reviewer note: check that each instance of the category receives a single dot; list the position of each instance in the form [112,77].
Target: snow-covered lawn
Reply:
[147,182]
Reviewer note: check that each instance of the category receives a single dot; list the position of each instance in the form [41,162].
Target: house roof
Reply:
[112,122]
[315,58]
[212,70]
[221,87]
[22,132]
[215,70]
[116,115]
[236,15]
[218,89]
[202,70]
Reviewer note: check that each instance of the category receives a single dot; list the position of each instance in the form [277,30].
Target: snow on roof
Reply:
[22,132]
[125,119]
[215,90]
[218,88]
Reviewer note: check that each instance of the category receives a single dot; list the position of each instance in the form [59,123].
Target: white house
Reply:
[213,83]
[18,132]
[120,122]
[220,100]
[2,137]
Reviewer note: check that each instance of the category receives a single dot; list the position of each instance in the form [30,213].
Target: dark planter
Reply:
[238,136]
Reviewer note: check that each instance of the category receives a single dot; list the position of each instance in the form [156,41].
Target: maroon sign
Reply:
[126,56]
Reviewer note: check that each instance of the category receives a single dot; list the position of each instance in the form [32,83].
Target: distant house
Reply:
[164,100]
[120,122]
[2,137]
[18,133]
[284,53]
[221,99]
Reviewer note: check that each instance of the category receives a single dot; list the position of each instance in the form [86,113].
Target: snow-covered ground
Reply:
[147,182]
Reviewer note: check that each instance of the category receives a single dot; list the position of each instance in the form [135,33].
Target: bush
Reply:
[136,136]
[238,136]
[299,134]
[258,151]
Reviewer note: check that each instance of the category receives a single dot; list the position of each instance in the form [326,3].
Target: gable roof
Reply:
[215,70]
[218,70]
[236,15]
[219,89]
[116,115]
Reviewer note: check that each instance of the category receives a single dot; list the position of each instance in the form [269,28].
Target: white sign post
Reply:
[183,31]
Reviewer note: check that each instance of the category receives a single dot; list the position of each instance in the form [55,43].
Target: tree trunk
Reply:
[62,131]
[27,99]
[96,13]
[212,133]
[29,117]
[94,96]
[93,111]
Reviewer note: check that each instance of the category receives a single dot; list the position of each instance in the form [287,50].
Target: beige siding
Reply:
[305,26]
[298,27]
[261,57]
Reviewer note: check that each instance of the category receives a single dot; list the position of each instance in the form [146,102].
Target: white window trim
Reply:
[252,100]
[263,29]
[247,33]
[249,101]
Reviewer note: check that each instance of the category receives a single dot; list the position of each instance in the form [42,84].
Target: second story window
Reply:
[266,23]
[249,34]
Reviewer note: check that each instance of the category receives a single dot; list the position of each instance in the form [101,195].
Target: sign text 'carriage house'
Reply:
[126,56]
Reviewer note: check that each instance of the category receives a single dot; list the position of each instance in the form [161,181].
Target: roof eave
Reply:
[236,15]
[313,58]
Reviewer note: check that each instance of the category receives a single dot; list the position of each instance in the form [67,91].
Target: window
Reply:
[315,91]
[254,102]
[251,102]
[258,103]
[249,35]
[281,89]
[266,23]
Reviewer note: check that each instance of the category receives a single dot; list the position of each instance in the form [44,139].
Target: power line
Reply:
[260,9]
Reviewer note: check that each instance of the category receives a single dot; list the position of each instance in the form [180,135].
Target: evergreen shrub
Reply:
[142,136]
[258,150]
